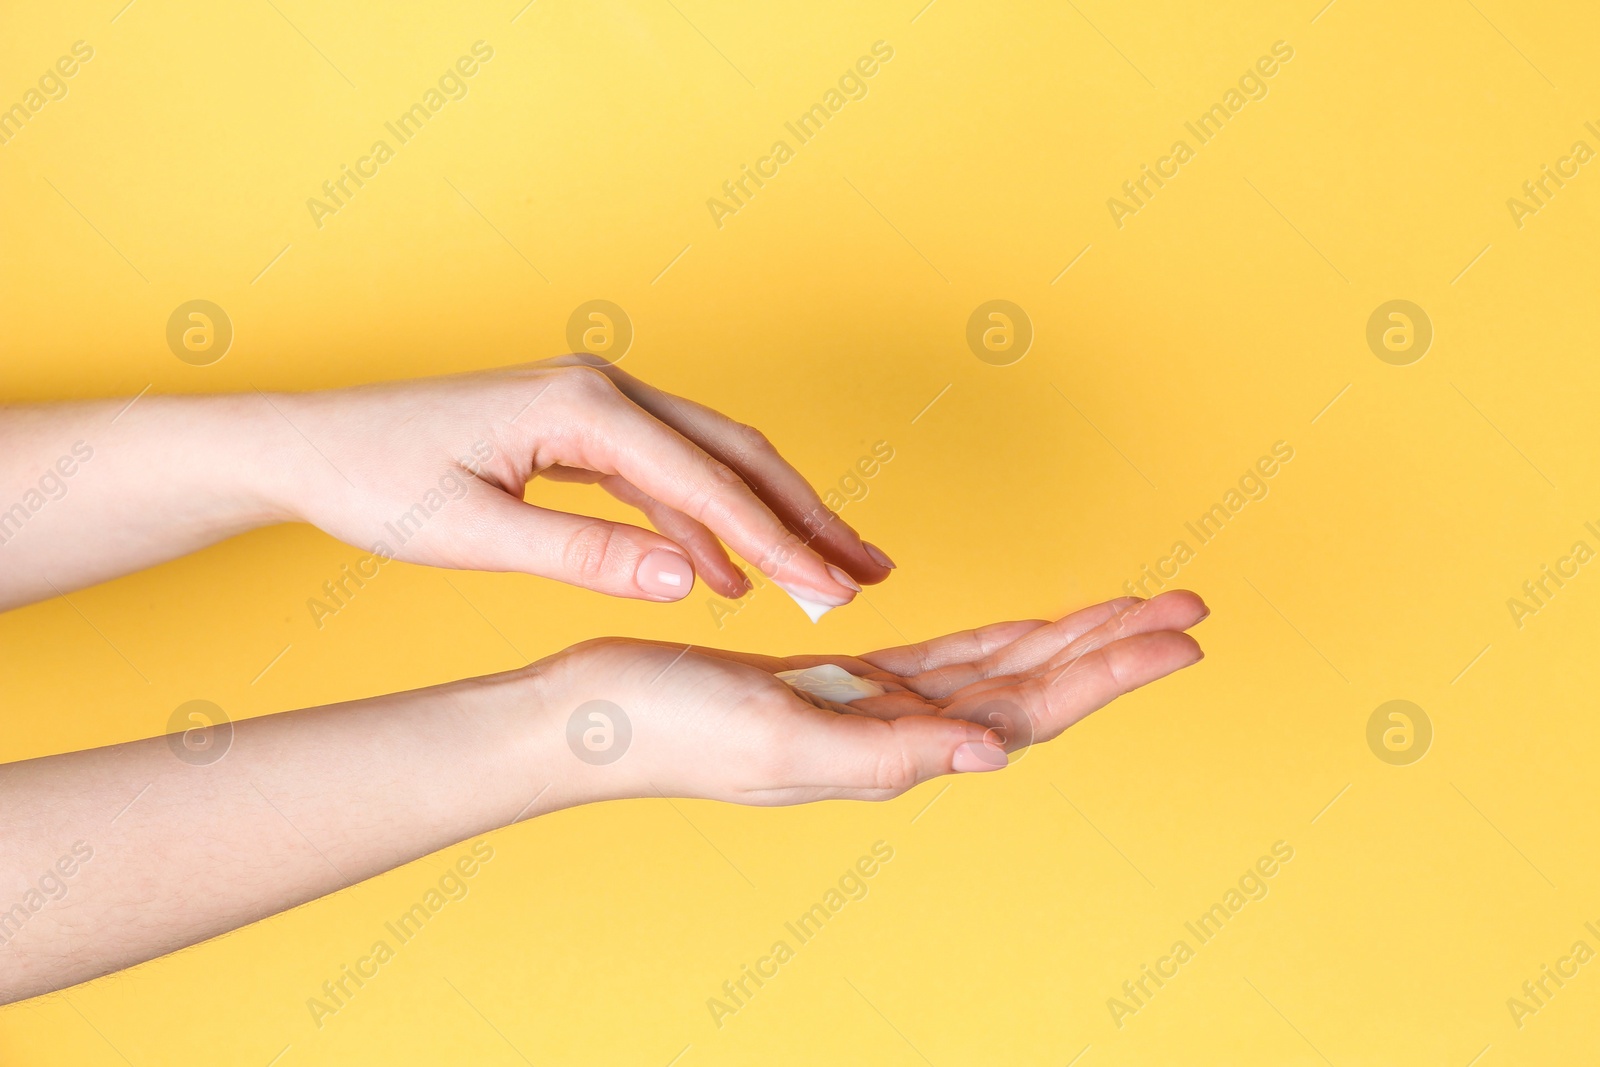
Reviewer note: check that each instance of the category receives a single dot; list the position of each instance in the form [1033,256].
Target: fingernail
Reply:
[666,574]
[879,556]
[978,756]
[844,579]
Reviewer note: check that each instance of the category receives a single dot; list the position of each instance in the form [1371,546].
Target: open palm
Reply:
[719,724]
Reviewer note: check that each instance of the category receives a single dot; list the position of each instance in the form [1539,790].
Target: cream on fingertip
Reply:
[814,609]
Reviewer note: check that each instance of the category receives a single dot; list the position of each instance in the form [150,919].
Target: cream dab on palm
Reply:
[830,682]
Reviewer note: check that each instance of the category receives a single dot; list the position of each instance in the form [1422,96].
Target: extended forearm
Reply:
[143,848]
[94,489]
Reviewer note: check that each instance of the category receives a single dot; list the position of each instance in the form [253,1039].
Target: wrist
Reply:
[214,460]
[269,456]
[524,712]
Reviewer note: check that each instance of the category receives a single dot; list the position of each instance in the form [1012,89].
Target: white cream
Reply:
[814,609]
[831,682]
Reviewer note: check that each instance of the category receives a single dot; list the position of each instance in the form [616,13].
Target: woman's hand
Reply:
[679,720]
[430,471]
[433,471]
[273,811]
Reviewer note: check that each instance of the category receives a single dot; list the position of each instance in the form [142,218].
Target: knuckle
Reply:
[722,474]
[896,771]
[785,549]
[591,551]
[1116,669]
[585,381]
[718,479]
[747,439]
[817,519]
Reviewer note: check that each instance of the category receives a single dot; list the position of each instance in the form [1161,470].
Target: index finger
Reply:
[782,488]
[662,462]
[1049,703]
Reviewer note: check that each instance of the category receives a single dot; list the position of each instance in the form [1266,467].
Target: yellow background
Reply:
[1223,317]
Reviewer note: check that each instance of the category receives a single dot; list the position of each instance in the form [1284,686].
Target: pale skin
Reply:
[306,802]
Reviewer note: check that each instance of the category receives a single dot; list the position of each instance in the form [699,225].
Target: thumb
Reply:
[875,759]
[607,557]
